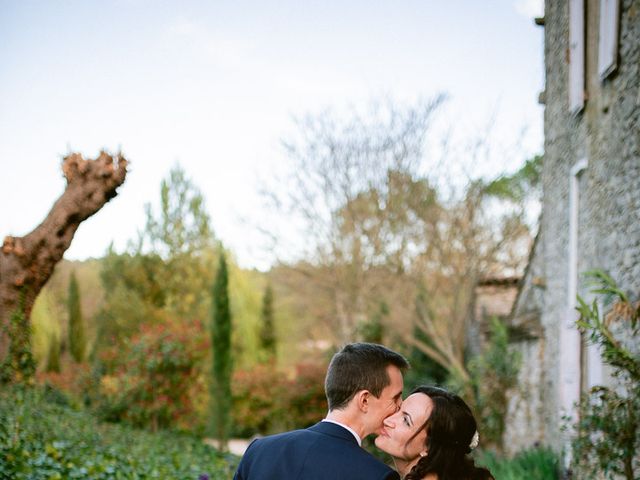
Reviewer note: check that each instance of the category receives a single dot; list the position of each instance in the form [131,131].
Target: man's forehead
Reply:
[394,373]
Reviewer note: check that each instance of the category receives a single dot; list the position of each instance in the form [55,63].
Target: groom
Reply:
[363,387]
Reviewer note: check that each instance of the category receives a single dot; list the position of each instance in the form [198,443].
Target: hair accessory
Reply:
[475,440]
[423,454]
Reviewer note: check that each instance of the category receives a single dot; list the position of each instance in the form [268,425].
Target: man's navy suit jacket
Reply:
[325,451]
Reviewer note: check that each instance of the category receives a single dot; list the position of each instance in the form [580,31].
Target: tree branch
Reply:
[26,263]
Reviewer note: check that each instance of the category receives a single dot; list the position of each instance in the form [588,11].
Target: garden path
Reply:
[237,446]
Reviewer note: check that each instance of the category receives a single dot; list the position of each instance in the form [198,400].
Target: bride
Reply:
[430,437]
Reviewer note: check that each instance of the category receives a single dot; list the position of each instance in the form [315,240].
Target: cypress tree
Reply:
[221,344]
[77,341]
[267,330]
[53,355]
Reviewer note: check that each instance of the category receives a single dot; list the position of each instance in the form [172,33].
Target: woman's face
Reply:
[395,438]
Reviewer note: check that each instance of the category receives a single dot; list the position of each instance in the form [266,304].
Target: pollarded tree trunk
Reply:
[26,263]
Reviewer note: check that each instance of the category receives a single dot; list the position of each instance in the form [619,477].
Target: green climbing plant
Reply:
[19,366]
[607,433]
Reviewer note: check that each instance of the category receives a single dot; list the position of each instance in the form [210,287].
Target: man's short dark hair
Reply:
[359,366]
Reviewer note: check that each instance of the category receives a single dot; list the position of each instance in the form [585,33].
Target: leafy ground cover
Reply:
[43,437]
[534,464]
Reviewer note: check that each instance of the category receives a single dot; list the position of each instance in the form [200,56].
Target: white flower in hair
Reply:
[474,441]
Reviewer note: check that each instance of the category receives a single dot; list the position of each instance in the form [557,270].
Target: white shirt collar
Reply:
[357,437]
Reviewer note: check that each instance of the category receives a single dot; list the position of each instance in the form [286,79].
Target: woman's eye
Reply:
[406,422]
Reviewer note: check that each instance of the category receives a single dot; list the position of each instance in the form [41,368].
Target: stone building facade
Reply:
[591,206]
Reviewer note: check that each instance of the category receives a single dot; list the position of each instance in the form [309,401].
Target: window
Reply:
[608,39]
[576,55]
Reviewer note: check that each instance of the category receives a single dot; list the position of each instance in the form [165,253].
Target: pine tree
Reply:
[221,344]
[77,340]
[267,330]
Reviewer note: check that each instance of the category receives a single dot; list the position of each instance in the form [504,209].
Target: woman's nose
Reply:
[388,422]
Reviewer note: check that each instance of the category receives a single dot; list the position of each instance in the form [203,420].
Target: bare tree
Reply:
[482,233]
[346,191]
[378,226]
[26,263]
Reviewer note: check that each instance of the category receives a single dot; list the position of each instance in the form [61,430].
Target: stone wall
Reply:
[607,134]
[560,133]
[524,425]
[525,421]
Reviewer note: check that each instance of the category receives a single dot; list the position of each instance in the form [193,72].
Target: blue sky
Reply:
[213,85]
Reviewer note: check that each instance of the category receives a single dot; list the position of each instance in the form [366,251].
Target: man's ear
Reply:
[363,398]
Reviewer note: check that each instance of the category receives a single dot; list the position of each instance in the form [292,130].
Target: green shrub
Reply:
[258,396]
[266,400]
[534,464]
[44,440]
[305,401]
[152,379]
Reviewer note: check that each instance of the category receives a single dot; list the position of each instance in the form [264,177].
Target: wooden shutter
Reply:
[608,39]
[576,55]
